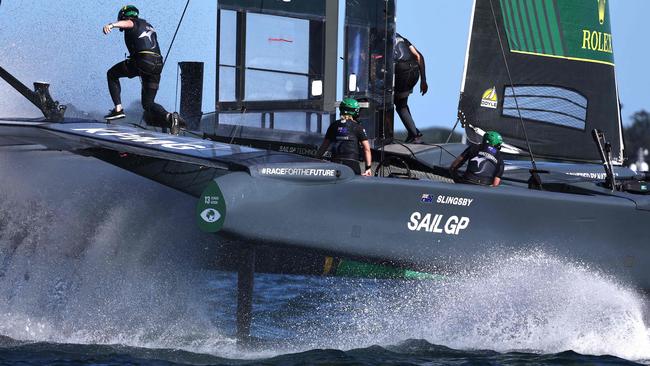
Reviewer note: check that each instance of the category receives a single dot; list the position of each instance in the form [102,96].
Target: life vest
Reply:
[347,139]
[484,165]
[141,39]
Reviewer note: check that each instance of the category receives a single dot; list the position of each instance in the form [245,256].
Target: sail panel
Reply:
[559,79]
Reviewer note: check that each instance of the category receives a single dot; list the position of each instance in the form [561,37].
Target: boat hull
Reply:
[436,226]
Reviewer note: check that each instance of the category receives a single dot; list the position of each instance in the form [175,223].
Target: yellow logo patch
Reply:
[490,98]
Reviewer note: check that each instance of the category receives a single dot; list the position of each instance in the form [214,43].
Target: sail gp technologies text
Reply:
[437,223]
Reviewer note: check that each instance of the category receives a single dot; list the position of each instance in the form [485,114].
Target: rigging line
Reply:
[514,94]
[386,65]
[451,133]
[175,33]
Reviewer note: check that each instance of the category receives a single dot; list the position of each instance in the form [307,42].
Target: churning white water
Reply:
[521,301]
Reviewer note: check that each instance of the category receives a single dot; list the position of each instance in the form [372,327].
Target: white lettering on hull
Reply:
[150,140]
[455,201]
[307,172]
[453,225]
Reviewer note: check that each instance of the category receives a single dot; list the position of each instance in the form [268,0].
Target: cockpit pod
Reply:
[315,172]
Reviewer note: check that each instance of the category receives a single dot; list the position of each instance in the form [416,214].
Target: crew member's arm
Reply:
[497,178]
[323,148]
[424,87]
[367,158]
[122,24]
[362,136]
[460,160]
[330,135]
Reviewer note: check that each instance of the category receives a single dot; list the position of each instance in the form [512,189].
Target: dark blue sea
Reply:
[101,267]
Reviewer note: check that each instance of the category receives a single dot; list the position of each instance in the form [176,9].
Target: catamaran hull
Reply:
[439,226]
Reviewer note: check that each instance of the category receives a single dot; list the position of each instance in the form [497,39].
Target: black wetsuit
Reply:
[407,74]
[144,61]
[345,137]
[484,164]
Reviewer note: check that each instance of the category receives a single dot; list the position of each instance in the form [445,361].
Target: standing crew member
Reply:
[485,166]
[346,135]
[409,66]
[144,61]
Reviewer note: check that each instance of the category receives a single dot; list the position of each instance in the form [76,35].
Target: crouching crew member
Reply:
[346,136]
[484,162]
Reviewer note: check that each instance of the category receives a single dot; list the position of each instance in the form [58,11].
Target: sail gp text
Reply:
[437,223]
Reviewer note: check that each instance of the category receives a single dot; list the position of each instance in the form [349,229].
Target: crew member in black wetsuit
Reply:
[485,166]
[409,67]
[144,61]
[347,135]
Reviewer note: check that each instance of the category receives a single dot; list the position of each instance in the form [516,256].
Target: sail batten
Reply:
[562,81]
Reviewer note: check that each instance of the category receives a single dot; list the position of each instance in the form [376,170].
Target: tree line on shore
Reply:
[637,135]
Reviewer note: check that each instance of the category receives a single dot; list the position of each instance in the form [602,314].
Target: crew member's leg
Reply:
[154,113]
[157,114]
[402,108]
[406,77]
[124,69]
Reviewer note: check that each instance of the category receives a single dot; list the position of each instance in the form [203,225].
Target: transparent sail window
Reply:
[227,45]
[277,43]
[227,83]
[242,119]
[267,85]
[547,104]
[357,62]
[313,123]
[290,121]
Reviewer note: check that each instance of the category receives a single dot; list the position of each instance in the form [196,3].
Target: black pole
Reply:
[245,282]
[191,93]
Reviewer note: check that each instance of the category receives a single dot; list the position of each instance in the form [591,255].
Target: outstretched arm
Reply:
[453,169]
[424,87]
[122,24]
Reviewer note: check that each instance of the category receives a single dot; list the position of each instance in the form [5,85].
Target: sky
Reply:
[70,51]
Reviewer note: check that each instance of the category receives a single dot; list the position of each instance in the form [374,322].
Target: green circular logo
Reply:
[211,209]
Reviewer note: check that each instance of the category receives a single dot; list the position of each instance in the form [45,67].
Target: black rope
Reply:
[176,32]
[514,95]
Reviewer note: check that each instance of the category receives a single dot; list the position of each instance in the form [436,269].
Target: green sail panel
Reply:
[560,82]
[569,29]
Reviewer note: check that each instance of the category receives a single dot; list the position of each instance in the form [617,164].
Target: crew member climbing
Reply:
[409,67]
[346,136]
[484,162]
[144,61]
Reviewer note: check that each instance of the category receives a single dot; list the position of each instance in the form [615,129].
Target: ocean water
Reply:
[99,266]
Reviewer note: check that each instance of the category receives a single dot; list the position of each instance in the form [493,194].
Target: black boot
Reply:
[114,114]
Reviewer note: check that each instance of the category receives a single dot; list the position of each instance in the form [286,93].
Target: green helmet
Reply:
[128,11]
[493,138]
[350,107]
